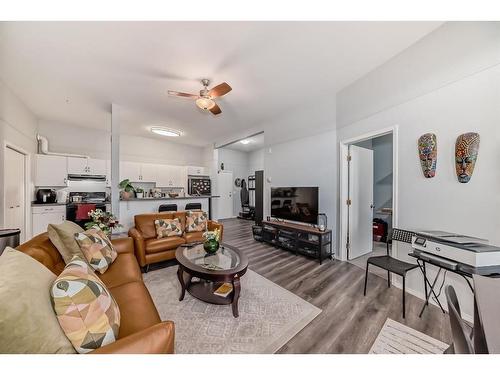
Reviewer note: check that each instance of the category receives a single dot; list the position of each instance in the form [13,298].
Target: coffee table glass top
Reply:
[224,259]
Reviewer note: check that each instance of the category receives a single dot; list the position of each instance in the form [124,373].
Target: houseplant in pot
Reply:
[139,192]
[212,238]
[127,190]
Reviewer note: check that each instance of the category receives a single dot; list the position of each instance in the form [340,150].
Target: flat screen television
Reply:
[295,204]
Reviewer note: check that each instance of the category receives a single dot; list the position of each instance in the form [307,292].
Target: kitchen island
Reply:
[135,206]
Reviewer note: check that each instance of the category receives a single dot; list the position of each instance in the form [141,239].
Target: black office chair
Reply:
[391,264]
[460,332]
[193,206]
[167,207]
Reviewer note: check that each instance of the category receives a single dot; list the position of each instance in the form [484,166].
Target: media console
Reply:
[300,239]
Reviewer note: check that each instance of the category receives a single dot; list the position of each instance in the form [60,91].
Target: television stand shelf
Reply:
[298,238]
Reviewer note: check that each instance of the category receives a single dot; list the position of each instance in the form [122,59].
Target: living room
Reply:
[167,195]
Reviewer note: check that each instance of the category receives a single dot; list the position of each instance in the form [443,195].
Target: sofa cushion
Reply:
[168,227]
[193,237]
[137,309]
[43,250]
[63,237]
[27,321]
[97,248]
[124,269]
[145,223]
[86,310]
[163,244]
[196,221]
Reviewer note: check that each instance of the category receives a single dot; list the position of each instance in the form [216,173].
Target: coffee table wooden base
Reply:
[204,290]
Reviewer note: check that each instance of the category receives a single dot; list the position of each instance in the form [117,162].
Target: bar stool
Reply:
[193,206]
[167,207]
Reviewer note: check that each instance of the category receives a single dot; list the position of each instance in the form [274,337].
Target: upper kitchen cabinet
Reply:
[149,172]
[86,166]
[196,171]
[171,176]
[138,172]
[50,170]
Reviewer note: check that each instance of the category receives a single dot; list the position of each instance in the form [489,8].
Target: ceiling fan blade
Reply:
[183,94]
[215,110]
[220,90]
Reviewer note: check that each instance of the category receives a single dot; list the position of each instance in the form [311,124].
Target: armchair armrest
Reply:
[123,245]
[158,339]
[215,225]
[139,246]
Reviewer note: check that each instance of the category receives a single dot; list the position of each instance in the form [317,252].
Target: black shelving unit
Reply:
[300,239]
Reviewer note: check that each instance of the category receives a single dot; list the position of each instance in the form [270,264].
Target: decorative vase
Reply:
[126,194]
[211,246]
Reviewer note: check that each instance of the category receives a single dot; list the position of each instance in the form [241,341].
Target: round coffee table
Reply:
[227,265]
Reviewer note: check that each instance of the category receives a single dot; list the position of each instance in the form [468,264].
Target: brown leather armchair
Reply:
[141,329]
[149,249]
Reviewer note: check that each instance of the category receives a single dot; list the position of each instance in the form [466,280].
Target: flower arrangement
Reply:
[212,235]
[105,221]
[212,238]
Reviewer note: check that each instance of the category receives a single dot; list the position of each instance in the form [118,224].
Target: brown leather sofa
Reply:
[149,249]
[141,329]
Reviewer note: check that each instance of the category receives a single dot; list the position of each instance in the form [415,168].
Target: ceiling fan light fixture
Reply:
[166,132]
[205,103]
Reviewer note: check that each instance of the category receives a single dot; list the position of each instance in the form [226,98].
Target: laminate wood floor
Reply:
[349,322]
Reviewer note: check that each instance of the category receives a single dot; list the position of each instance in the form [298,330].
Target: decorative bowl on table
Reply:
[173,195]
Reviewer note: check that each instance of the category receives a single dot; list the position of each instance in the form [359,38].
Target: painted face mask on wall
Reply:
[466,150]
[427,151]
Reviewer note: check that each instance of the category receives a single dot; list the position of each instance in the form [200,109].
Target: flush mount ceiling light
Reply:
[245,141]
[165,131]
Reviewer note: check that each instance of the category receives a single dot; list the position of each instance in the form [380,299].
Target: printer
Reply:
[457,252]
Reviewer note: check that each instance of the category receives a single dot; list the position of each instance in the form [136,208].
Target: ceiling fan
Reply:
[206,98]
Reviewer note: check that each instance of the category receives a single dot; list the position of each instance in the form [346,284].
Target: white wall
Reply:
[457,84]
[308,161]
[17,128]
[256,160]
[97,143]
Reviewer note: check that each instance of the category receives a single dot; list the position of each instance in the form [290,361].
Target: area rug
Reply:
[396,338]
[269,316]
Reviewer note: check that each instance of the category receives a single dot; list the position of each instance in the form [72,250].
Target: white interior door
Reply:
[225,191]
[361,196]
[15,197]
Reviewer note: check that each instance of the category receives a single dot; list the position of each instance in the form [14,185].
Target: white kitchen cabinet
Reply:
[42,216]
[171,176]
[149,172]
[138,172]
[196,171]
[130,170]
[86,166]
[50,170]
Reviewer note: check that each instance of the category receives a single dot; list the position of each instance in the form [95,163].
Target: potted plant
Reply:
[127,190]
[139,192]
[212,238]
[105,221]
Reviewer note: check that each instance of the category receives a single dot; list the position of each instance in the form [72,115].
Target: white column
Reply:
[115,160]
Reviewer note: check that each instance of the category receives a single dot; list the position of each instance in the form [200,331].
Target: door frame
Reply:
[27,187]
[344,181]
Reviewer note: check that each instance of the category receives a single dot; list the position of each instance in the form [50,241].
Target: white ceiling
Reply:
[256,142]
[71,72]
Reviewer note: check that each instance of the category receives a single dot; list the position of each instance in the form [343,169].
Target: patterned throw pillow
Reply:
[97,248]
[168,227]
[196,221]
[87,312]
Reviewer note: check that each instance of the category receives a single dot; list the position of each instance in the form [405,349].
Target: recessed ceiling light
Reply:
[165,131]
[245,141]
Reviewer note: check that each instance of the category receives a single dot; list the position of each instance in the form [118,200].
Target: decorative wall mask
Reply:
[427,151]
[466,150]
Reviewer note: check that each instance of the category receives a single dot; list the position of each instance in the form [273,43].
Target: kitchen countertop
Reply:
[170,199]
[35,204]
